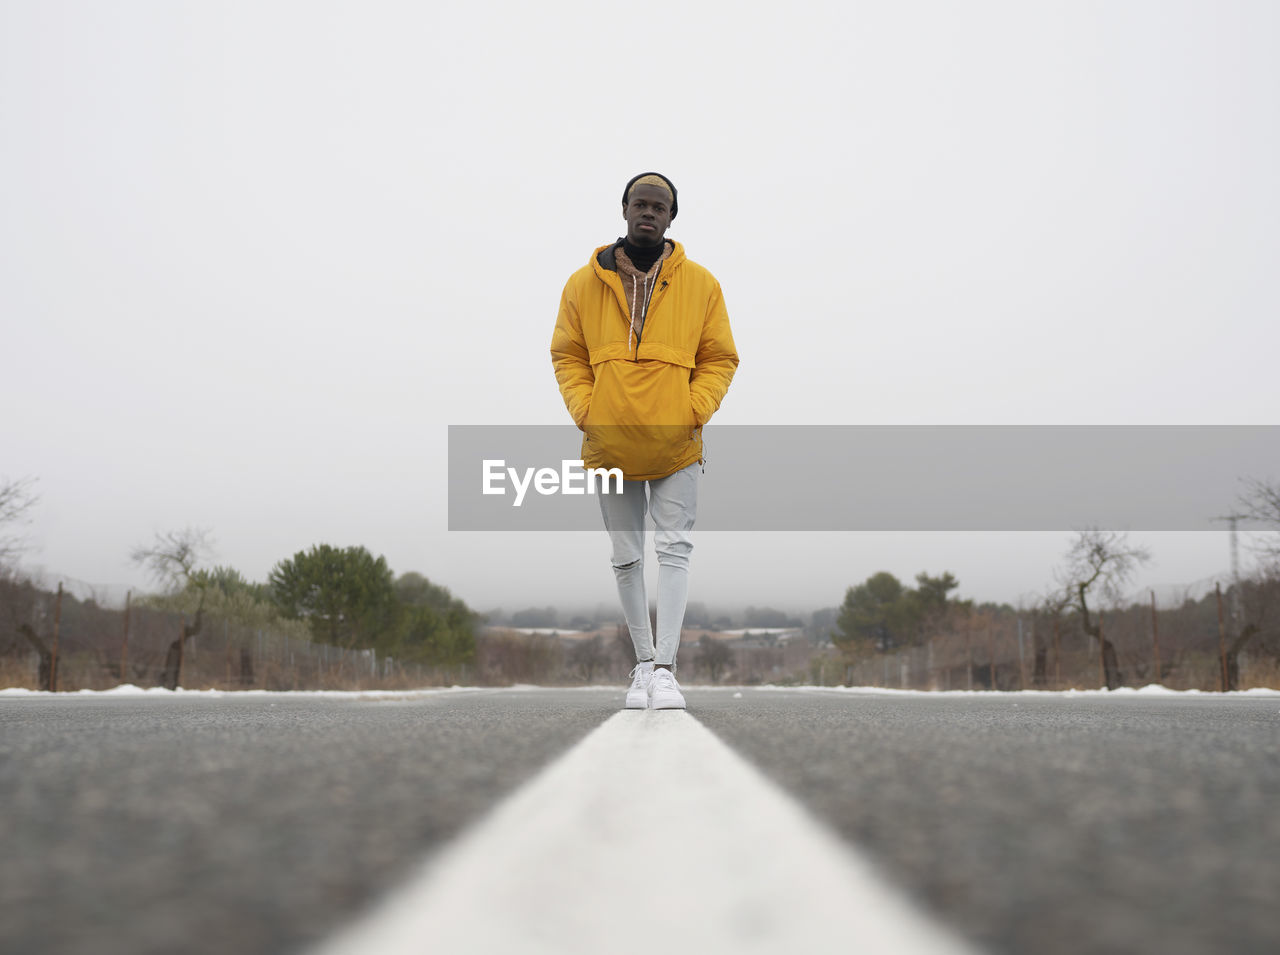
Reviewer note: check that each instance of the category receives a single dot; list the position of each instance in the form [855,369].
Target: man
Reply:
[643,354]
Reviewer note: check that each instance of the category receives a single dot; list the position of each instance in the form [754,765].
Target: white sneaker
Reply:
[664,691]
[638,692]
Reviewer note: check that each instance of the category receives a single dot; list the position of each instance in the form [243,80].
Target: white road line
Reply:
[649,835]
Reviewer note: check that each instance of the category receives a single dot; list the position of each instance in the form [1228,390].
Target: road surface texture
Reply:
[1045,823]
[255,823]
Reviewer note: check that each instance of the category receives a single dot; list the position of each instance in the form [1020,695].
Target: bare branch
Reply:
[175,556]
[1098,565]
[1261,502]
[17,498]
[1098,562]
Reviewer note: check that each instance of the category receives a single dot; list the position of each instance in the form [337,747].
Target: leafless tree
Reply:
[1261,502]
[1098,565]
[174,559]
[26,615]
[1260,605]
[588,656]
[713,656]
[1047,615]
[623,647]
[17,498]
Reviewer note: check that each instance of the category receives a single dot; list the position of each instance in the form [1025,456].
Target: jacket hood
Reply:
[604,259]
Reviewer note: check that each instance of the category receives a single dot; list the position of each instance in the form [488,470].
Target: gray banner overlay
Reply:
[898,478]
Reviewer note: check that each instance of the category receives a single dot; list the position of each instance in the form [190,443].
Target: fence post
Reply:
[182,649]
[124,640]
[57,625]
[1155,636]
[968,653]
[1102,657]
[1057,655]
[1221,634]
[1022,660]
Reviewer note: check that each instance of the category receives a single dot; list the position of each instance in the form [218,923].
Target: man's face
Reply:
[648,213]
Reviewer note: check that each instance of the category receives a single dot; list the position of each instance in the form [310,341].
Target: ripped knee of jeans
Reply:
[626,566]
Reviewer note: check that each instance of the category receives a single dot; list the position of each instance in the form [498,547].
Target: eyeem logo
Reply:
[572,478]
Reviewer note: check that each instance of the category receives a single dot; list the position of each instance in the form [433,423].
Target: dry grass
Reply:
[1260,674]
[18,674]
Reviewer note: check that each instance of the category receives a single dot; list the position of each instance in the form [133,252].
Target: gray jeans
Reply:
[673,503]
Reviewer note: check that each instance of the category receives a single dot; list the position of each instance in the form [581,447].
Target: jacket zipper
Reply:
[649,303]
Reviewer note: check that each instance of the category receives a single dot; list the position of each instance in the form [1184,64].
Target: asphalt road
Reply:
[259,824]
[243,824]
[1045,824]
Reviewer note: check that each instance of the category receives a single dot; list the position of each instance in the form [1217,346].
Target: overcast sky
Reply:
[256,257]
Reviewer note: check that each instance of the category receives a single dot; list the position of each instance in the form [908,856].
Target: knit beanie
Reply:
[626,193]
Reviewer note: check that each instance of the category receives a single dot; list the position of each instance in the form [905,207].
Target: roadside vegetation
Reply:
[341,618]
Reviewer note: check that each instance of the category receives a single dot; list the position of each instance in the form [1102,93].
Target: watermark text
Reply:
[572,478]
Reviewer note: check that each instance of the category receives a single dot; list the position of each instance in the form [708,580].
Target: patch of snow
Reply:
[1149,690]
[529,631]
[128,689]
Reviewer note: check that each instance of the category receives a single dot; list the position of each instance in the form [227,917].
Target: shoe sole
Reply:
[643,705]
[669,705]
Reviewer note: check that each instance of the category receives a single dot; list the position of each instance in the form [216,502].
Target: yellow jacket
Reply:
[642,405]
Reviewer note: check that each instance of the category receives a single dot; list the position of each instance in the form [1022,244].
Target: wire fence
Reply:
[1187,647]
[1181,639]
[58,640]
